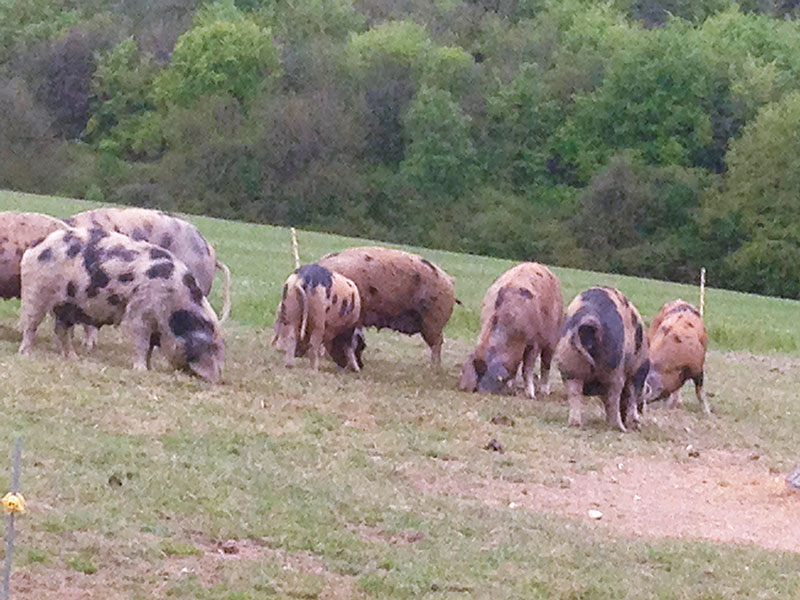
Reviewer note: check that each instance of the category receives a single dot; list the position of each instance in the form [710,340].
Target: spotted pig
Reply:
[520,321]
[99,278]
[180,237]
[18,231]
[603,352]
[319,311]
[678,345]
[399,290]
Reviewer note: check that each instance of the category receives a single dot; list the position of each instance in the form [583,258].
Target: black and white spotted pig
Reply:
[319,311]
[520,321]
[99,278]
[603,352]
[19,231]
[178,236]
[399,290]
[678,345]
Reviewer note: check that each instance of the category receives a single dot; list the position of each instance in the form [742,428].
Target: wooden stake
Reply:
[295,251]
[702,291]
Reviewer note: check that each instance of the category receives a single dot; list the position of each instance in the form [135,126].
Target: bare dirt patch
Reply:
[721,496]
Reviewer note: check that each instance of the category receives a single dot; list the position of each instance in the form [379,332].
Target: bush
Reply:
[762,266]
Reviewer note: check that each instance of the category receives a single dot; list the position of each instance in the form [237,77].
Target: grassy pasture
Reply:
[377,485]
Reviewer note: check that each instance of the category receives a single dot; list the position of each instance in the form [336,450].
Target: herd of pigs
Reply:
[151,273]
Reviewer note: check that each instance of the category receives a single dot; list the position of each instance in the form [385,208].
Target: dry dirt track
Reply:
[725,497]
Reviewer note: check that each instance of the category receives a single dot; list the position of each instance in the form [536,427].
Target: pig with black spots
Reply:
[95,277]
[603,351]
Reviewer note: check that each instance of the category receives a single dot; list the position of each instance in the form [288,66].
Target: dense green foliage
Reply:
[646,137]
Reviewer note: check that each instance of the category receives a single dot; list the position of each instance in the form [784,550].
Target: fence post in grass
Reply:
[702,291]
[295,251]
[13,503]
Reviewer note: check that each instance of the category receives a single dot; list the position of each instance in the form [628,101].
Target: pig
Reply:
[520,320]
[399,290]
[319,311]
[678,345]
[96,277]
[603,351]
[19,231]
[178,236]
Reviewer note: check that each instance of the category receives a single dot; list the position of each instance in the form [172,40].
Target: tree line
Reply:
[646,137]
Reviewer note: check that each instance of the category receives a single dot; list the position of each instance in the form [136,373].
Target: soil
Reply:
[722,496]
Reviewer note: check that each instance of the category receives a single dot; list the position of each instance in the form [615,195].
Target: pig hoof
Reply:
[617,424]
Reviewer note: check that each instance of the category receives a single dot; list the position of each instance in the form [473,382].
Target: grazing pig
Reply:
[603,351]
[180,237]
[520,320]
[678,344]
[99,278]
[399,290]
[19,231]
[319,310]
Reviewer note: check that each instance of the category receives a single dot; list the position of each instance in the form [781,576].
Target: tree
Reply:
[763,183]
[440,153]
[656,13]
[389,63]
[753,219]
[652,100]
[234,57]
[522,119]
[122,101]
[638,219]
[26,21]
[31,157]
[67,87]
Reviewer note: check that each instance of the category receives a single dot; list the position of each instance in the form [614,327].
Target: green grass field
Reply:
[380,485]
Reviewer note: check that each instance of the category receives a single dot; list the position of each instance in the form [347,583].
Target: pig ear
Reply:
[197,344]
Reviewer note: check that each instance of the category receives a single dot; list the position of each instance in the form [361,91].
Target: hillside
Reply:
[260,258]
[639,137]
[293,484]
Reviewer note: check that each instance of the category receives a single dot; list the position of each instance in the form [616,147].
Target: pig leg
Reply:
[574,389]
[29,321]
[434,340]
[674,400]
[701,396]
[630,408]
[612,402]
[547,358]
[350,353]
[90,337]
[528,373]
[315,346]
[289,346]
[64,335]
